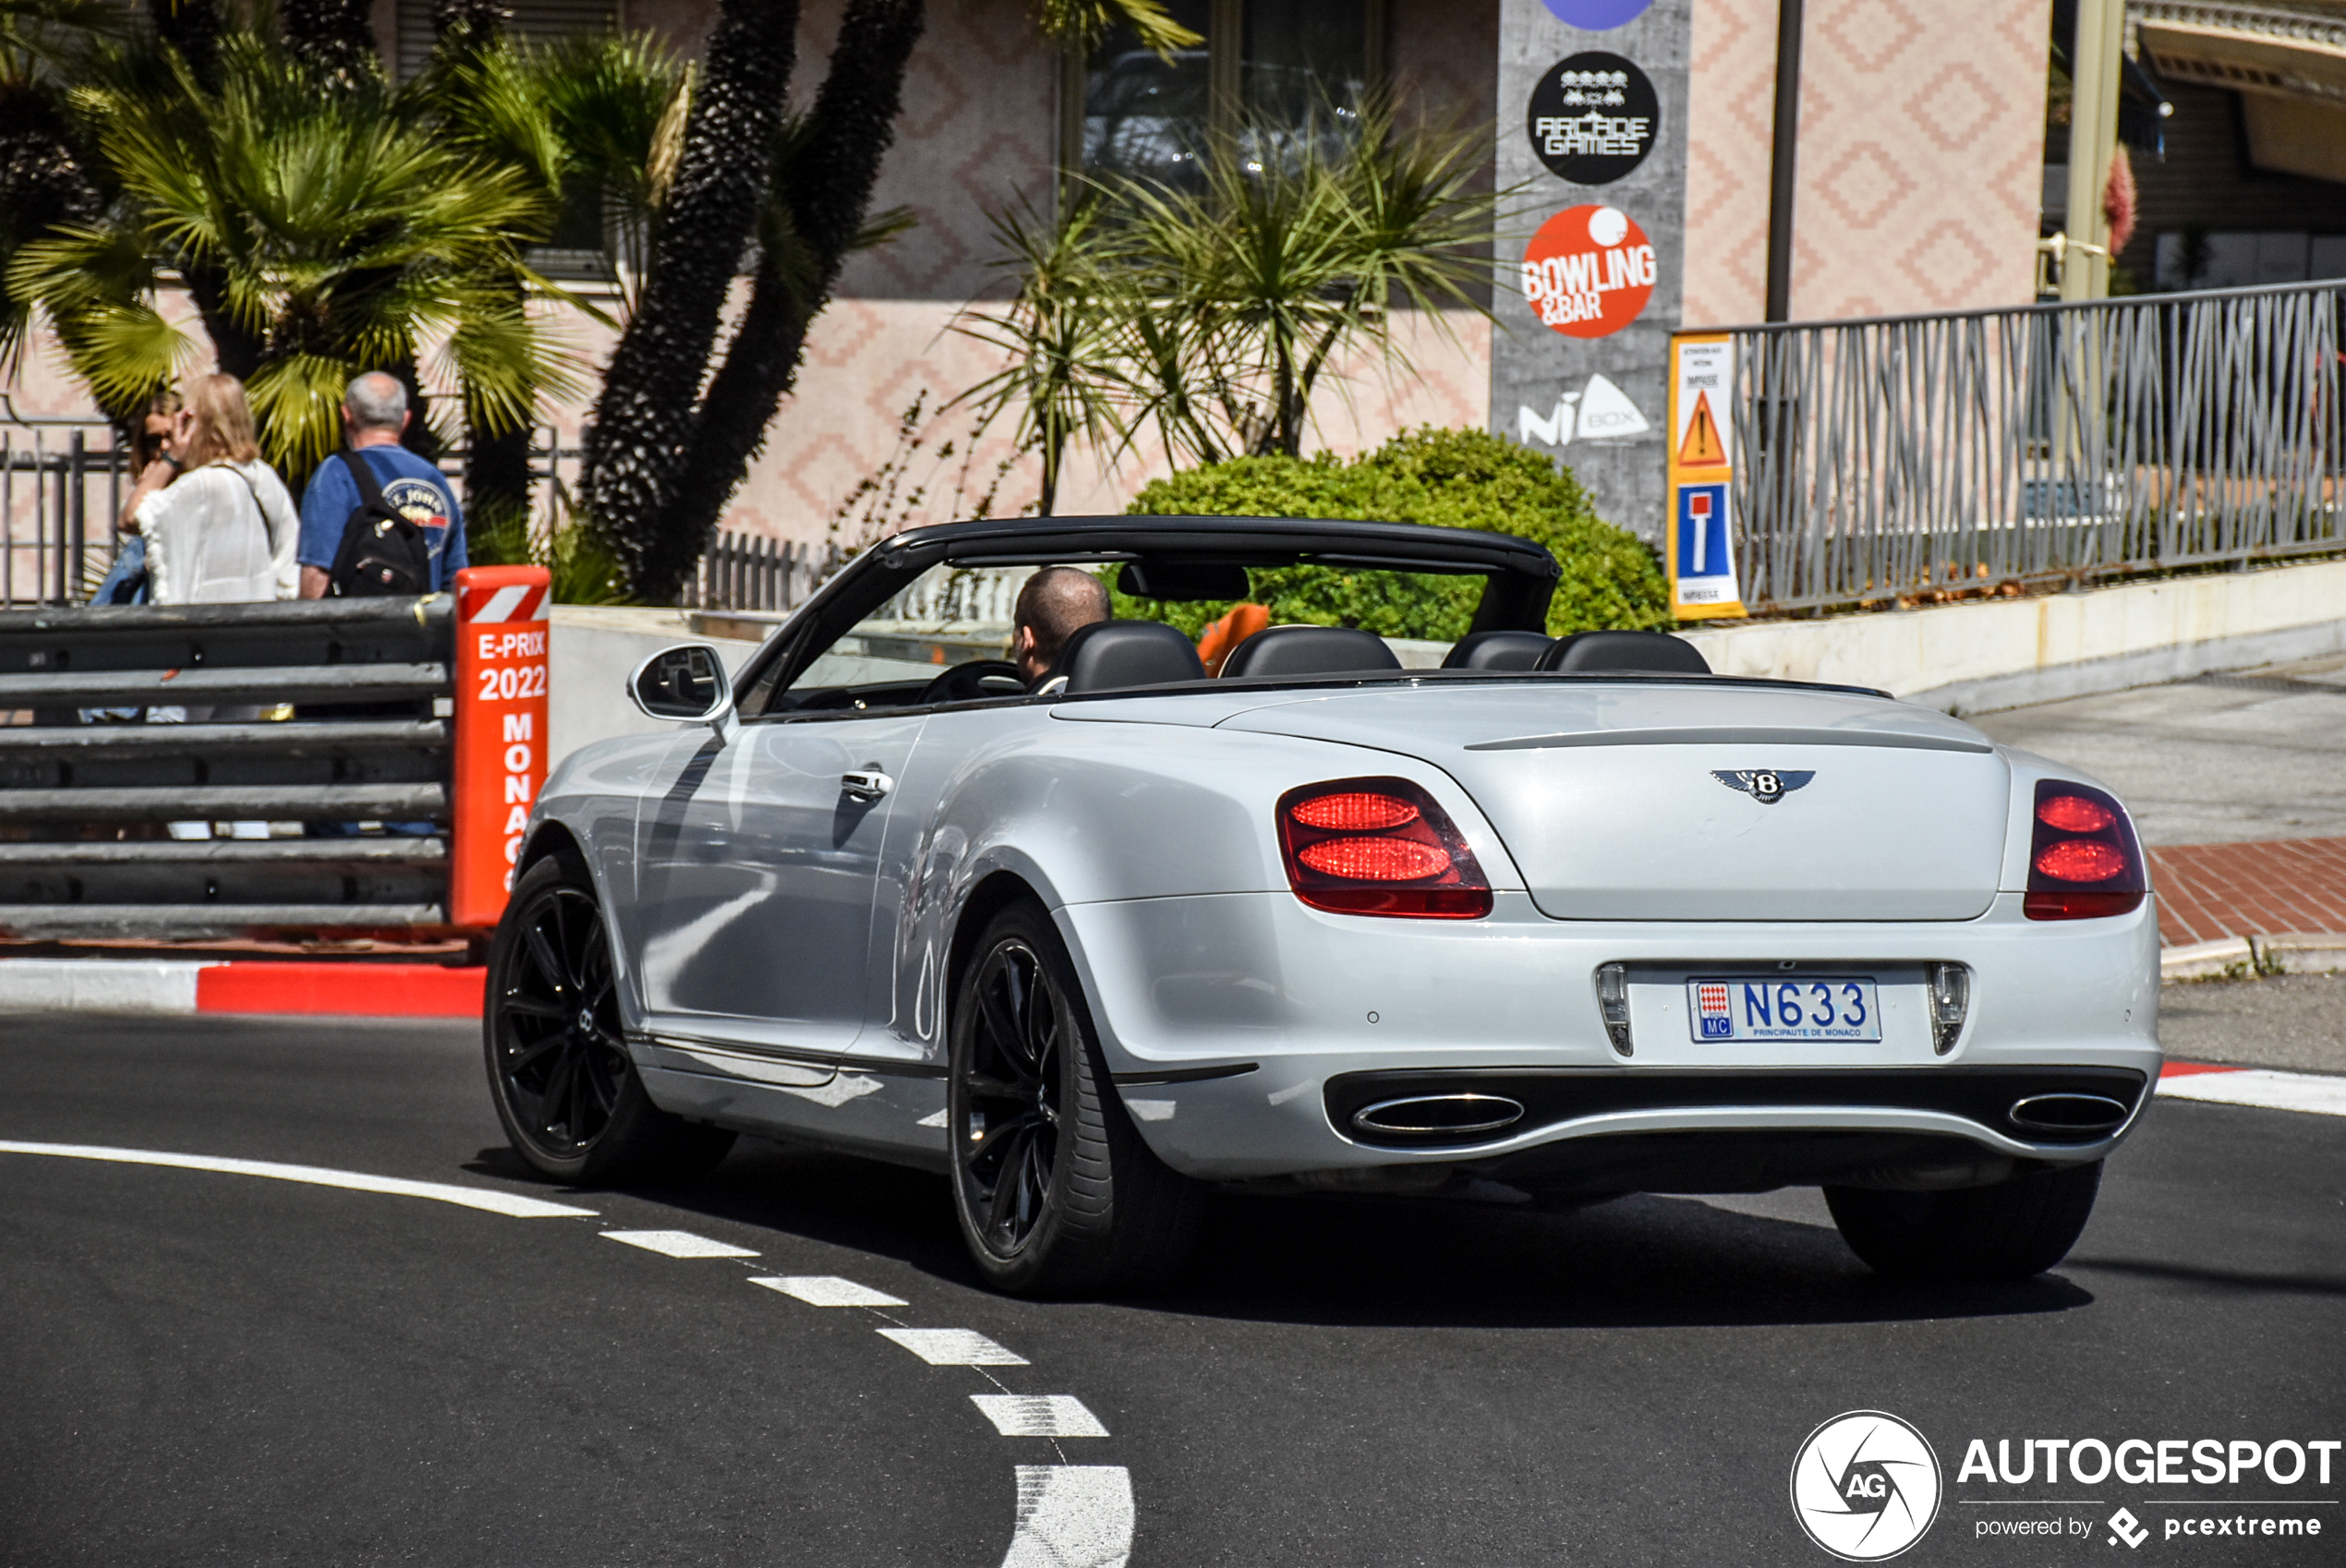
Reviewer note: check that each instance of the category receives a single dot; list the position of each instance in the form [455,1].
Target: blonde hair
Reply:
[223,421]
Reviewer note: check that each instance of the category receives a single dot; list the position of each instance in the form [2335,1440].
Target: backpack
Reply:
[383,554]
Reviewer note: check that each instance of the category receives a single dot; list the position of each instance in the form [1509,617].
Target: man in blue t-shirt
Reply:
[375,413]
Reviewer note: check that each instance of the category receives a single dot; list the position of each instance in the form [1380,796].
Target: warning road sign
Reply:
[1700,446]
[1701,556]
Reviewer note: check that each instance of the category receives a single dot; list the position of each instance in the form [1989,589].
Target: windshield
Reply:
[1411,607]
[947,617]
[963,618]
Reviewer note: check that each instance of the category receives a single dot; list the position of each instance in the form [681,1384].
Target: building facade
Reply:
[1922,155]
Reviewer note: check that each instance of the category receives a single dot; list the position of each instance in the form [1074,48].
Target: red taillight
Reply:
[2084,861]
[1375,860]
[1378,847]
[2073,814]
[1355,811]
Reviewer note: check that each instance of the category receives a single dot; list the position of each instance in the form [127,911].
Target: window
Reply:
[1273,70]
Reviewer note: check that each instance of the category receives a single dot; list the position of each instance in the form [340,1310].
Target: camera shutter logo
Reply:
[1866,1486]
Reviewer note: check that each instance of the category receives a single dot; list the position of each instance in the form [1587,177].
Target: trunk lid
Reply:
[1643,801]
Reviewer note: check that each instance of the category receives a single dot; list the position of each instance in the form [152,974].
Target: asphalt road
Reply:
[201,1367]
[2296,1021]
[2222,759]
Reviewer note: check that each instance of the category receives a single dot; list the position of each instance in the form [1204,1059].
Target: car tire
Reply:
[558,1072]
[2019,1226]
[1054,1190]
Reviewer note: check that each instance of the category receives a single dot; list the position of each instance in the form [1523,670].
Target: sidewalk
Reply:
[2208,892]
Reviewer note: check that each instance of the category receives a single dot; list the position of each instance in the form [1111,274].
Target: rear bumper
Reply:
[1245,1032]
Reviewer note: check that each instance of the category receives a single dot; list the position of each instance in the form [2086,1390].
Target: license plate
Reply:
[1812,1007]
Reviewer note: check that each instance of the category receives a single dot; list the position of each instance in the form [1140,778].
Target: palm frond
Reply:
[1083,24]
[297,401]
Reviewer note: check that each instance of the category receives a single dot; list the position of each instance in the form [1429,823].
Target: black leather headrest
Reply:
[1310,650]
[1111,655]
[1655,653]
[1497,650]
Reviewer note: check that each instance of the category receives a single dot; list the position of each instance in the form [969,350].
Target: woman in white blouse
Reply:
[220,529]
[219,526]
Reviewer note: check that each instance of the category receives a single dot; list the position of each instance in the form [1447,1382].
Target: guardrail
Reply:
[289,725]
[1876,459]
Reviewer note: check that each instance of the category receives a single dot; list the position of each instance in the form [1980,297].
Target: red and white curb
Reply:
[1069,1515]
[2266,1088]
[182,986]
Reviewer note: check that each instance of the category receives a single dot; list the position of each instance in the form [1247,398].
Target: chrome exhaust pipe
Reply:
[1445,1117]
[2068,1113]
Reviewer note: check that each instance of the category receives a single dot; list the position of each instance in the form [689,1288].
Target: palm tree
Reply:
[1058,335]
[661,460]
[1288,257]
[590,120]
[346,235]
[43,177]
[334,40]
[1218,313]
[644,420]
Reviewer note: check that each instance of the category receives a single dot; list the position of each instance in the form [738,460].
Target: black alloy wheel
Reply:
[1013,1101]
[1053,1188]
[558,1071]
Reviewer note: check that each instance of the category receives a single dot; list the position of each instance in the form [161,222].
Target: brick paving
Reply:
[2208,891]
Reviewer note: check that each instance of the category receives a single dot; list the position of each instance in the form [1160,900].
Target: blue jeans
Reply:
[126,580]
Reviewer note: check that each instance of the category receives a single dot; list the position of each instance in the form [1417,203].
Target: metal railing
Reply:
[1880,459]
[62,483]
[750,572]
[61,488]
[180,696]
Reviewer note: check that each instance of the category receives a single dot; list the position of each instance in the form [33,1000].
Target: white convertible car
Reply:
[1578,918]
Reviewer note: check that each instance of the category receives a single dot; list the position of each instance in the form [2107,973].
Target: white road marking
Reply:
[1069,1515]
[485,1199]
[935,1118]
[1072,1516]
[954,1347]
[677,1244]
[1038,1415]
[829,1290]
[2273,1091]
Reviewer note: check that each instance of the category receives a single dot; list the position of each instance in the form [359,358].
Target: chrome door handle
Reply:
[866,784]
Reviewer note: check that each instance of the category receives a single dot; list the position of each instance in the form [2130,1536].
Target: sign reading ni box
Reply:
[502,615]
[1702,554]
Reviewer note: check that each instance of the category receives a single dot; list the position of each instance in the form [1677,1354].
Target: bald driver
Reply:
[1055,602]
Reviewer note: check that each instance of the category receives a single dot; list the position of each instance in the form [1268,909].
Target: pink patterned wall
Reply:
[1921,137]
[979,127]
[1920,141]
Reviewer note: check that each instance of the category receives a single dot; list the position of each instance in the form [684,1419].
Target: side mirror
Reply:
[687,684]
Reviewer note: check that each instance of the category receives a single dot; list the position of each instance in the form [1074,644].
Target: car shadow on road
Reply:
[1638,1260]
[1365,1261]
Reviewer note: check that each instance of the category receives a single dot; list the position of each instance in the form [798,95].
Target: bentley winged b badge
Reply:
[1766,784]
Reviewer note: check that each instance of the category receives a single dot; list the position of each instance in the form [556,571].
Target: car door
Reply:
[755,872]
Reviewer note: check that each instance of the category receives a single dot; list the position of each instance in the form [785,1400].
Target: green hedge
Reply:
[1450,478]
